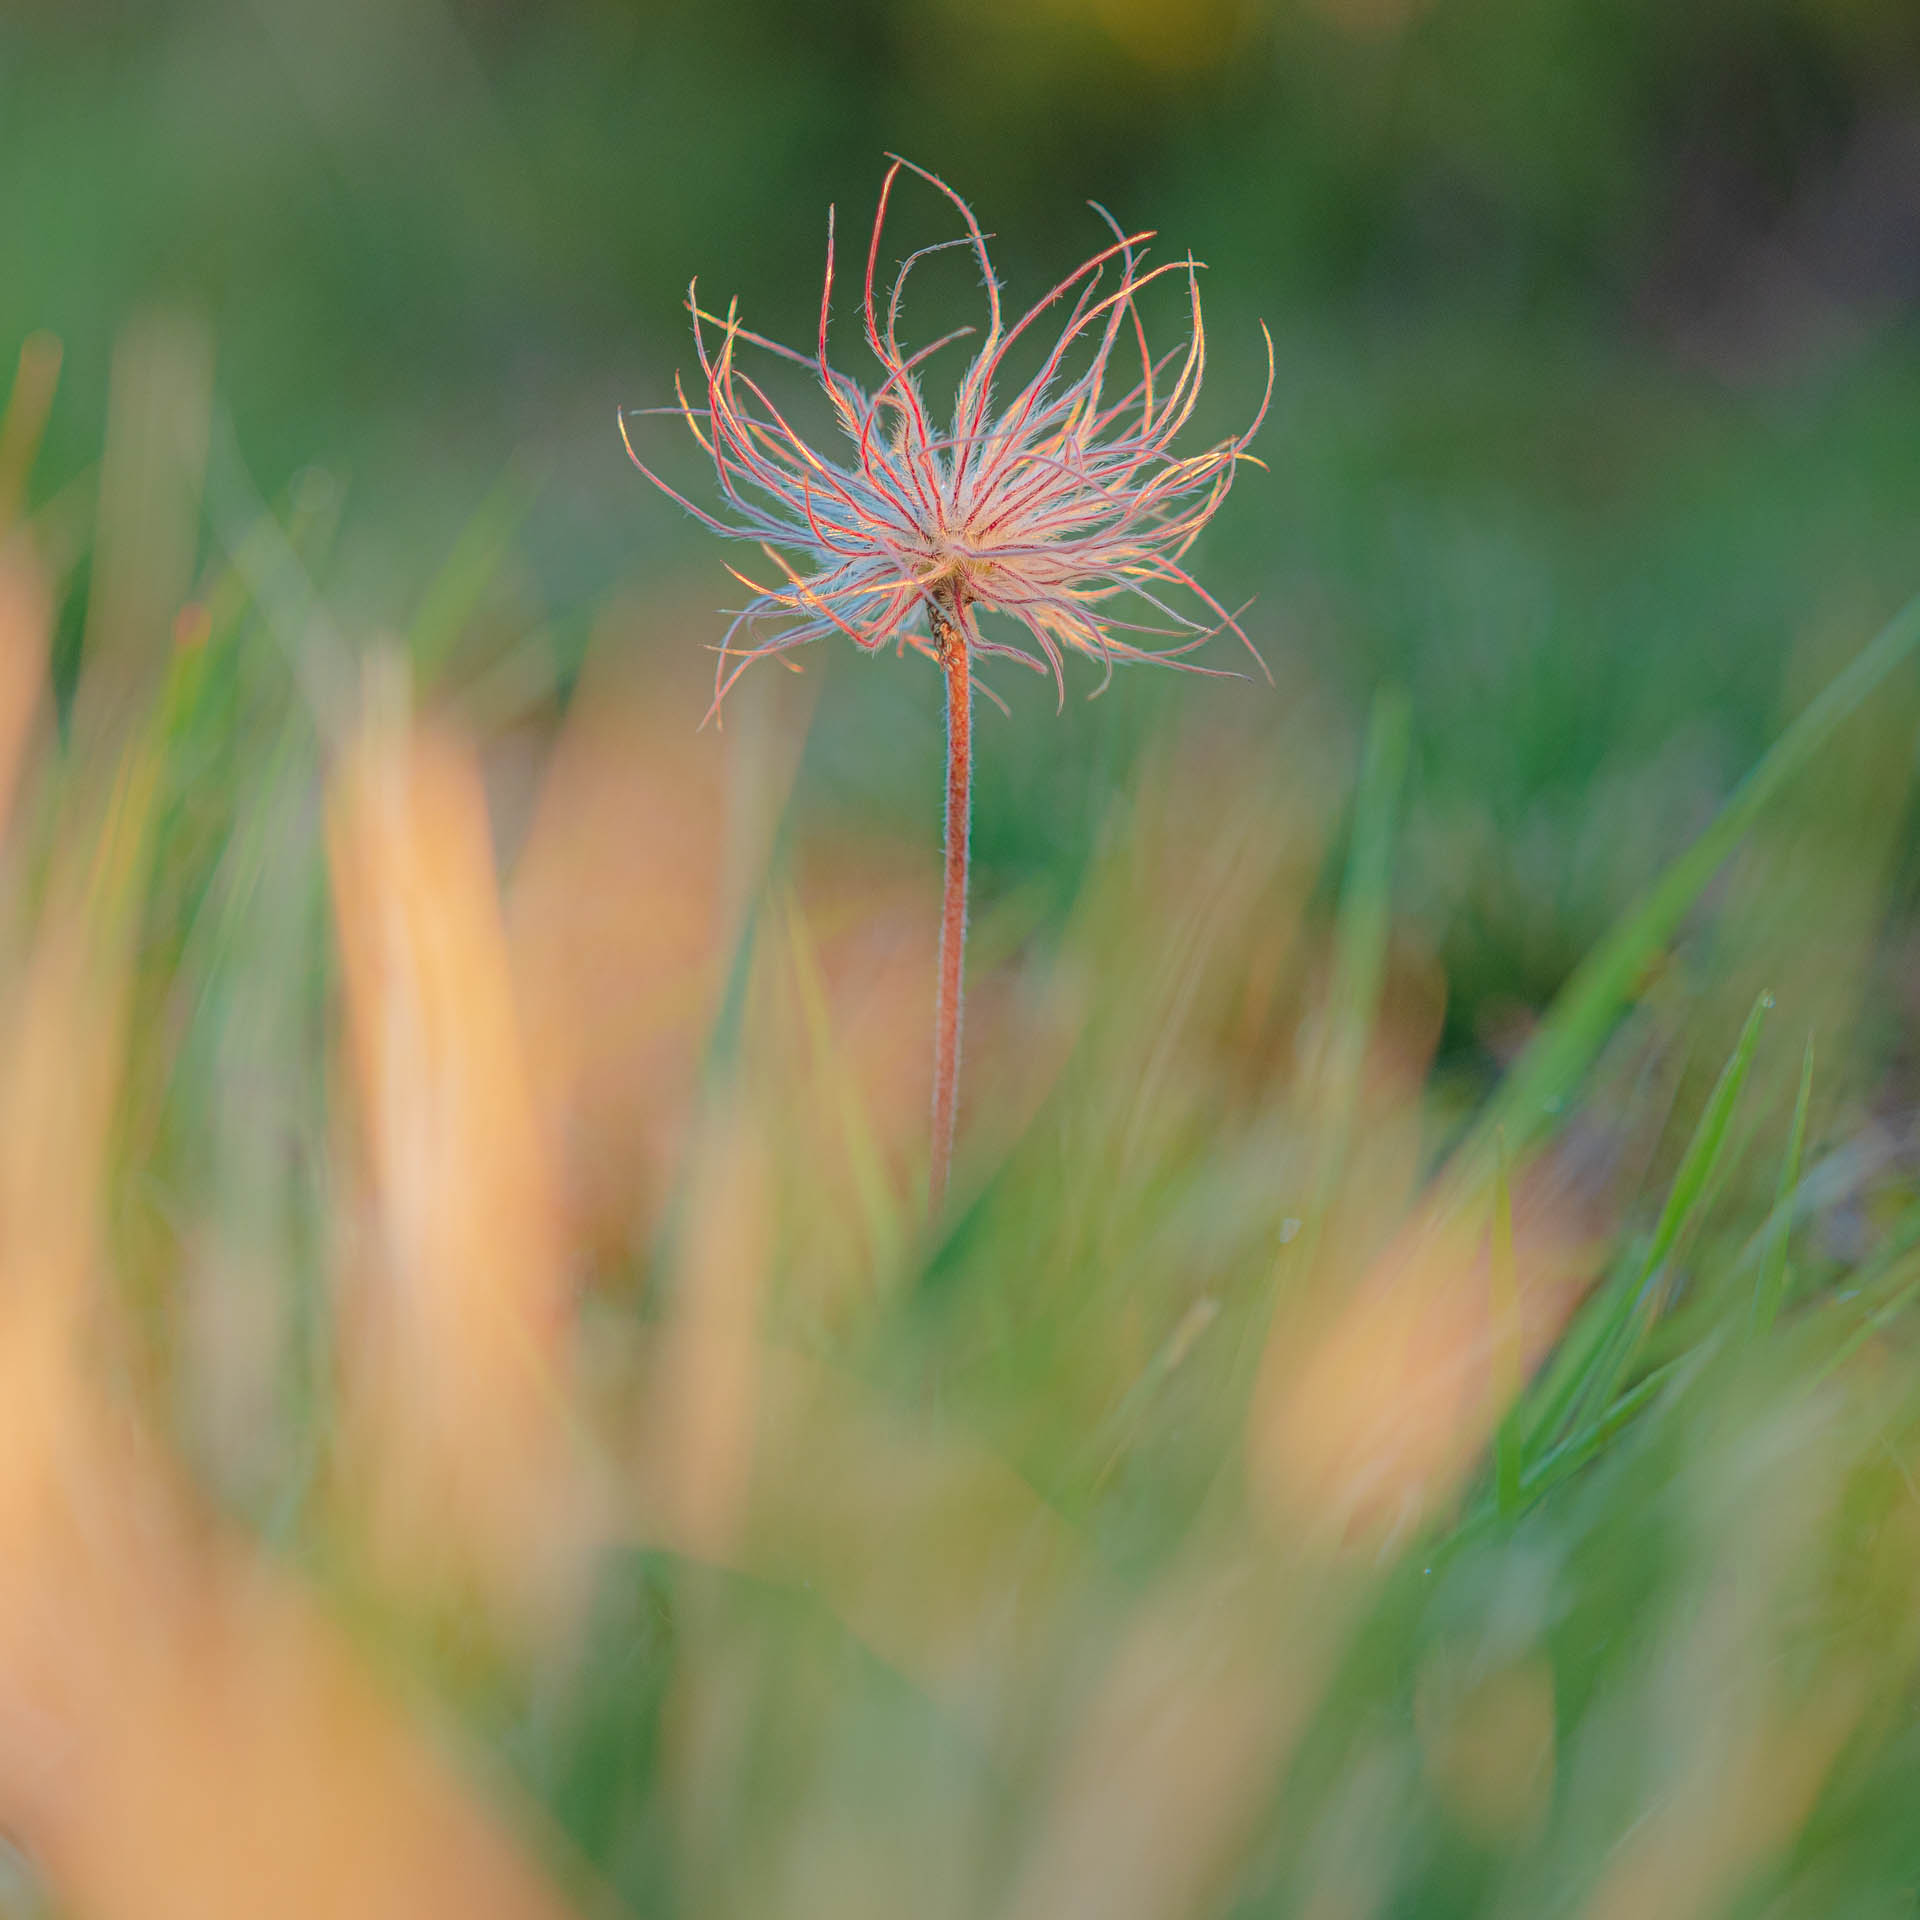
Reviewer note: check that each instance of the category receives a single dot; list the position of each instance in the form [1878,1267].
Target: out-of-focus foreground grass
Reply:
[488,1430]
[1414,1408]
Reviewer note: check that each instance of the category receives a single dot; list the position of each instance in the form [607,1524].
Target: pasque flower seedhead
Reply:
[1061,509]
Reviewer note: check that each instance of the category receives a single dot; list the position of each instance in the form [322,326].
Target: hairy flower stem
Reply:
[949,631]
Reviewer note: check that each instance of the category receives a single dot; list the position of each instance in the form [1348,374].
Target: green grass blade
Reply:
[1883,1289]
[483,543]
[1773,1272]
[1330,1083]
[1584,1013]
[1593,1336]
[1360,940]
[1603,1346]
[1508,1357]
[1687,1200]
[1572,1454]
[1701,1161]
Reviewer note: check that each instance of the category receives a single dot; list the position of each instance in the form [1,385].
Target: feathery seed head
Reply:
[1057,510]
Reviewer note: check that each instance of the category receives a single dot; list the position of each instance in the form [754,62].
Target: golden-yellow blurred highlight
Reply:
[36,375]
[1376,1398]
[645,846]
[1166,36]
[705,1411]
[1201,1696]
[181,1734]
[197,1742]
[458,1307]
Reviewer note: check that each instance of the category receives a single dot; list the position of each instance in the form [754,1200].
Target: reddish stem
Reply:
[949,631]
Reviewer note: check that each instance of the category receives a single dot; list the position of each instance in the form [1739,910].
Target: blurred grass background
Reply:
[487,1428]
[1595,330]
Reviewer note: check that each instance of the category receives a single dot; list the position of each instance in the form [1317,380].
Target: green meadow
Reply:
[1408,1404]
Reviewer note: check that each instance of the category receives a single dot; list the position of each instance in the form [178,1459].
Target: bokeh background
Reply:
[487,1428]
[1596,392]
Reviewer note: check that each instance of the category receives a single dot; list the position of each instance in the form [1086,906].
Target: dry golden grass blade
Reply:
[1376,1400]
[458,1310]
[183,1735]
[36,376]
[648,842]
[179,1733]
[1176,1752]
[67,1010]
[705,1409]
